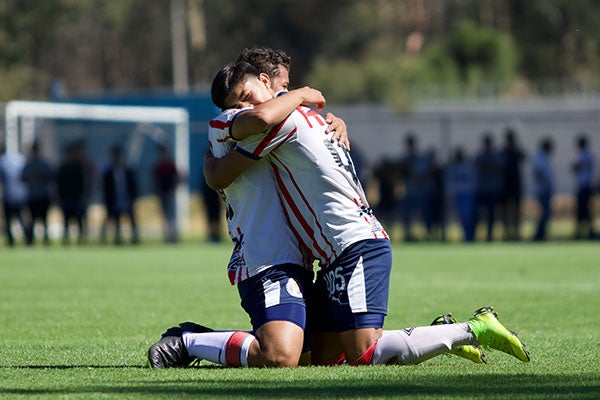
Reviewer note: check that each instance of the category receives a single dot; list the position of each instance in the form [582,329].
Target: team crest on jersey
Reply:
[292,288]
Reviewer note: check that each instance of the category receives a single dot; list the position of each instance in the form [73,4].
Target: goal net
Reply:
[137,130]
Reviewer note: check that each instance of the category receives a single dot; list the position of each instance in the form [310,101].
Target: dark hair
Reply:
[547,145]
[582,141]
[227,78]
[266,60]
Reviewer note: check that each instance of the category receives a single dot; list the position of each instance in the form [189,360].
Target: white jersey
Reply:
[255,219]
[322,196]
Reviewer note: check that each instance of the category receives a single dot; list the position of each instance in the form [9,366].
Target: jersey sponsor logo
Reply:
[237,262]
[342,159]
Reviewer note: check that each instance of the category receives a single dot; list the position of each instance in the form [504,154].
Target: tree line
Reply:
[386,51]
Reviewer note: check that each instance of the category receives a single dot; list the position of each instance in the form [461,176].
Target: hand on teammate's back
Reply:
[340,132]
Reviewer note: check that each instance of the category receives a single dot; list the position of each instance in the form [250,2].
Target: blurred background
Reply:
[501,99]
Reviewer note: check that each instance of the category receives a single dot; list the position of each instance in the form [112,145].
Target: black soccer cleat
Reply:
[170,351]
[193,327]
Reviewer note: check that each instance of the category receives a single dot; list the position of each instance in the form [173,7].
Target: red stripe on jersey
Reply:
[225,139]
[301,243]
[310,113]
[215,123]
[231,276]
[290,202]
[268,138]
[297,212]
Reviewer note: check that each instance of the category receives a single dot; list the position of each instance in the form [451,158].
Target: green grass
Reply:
[75,323]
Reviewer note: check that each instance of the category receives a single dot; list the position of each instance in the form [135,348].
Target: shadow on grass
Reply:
[78,366]
[584,386]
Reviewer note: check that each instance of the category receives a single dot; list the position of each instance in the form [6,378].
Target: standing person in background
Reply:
[414,168]
[461,178]
[38,176]
[583,168]
[543,185]
[387,177]
[165,180]
[72,181]
[490,179]
[14,194]
[513,158]
[214,211]
[120,192]
[436,197]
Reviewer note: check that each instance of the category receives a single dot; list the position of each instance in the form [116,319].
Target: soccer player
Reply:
[272,273]
[326,207]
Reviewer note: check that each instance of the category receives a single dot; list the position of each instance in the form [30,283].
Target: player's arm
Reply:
[220,172]
[338,127]
[272,112]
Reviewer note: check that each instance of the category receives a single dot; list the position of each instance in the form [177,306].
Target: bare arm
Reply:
[220,172]
[272,112]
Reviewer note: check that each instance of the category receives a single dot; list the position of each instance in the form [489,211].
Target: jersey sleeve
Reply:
[220,140]
[260,145]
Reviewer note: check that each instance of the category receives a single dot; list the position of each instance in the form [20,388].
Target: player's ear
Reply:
[264,78]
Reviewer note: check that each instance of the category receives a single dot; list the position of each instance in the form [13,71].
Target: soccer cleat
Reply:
[491,333]
[169,351]
[470,352]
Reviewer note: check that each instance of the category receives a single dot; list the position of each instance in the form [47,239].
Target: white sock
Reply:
[415,345]
[221,347]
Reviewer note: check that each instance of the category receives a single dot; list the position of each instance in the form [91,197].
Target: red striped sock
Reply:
[236,354]
[367,356]
[338,359]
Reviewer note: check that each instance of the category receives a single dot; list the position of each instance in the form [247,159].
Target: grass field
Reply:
[75,323]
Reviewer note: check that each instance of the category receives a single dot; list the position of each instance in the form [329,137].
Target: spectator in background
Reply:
[214,208]
[583,168]
[120,193]
[415,171]
[489,166]
[73,184]
[386,175]
[14,195]
[166,179]
[436,197]
[513,158]
[38,176]
[543,185]
[461,178]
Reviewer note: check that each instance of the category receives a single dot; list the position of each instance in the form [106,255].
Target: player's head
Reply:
[273,62]
[239,85]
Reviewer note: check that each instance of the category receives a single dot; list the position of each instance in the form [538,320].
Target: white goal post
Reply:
[20,129]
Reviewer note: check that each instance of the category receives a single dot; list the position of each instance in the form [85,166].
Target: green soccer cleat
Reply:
[470,352]
[491,333]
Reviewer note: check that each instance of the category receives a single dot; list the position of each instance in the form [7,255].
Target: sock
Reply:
[338,359]
[367,357]
[221,347]
[415,345]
